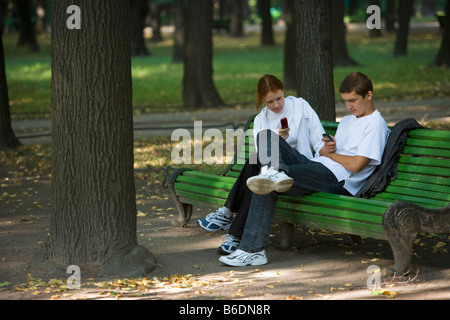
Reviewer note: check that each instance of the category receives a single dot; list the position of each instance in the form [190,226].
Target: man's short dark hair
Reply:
[358,82]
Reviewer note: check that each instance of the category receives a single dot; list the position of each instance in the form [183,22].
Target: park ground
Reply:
[319,266]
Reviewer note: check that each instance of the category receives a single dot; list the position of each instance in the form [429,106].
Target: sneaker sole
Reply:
[232,263]
[264,186]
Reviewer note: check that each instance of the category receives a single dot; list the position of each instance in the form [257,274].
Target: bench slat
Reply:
[432,162]
[424,178]
[331,223]
[433,152]
[428,203]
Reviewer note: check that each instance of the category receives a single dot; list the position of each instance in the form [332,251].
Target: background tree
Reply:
[198,85]
[27,36]
[314,56]
[139,11]
[94,205]
[443,56]
[178,45]
[236,18]
[290,46]
[405,11]
[341,57]
[267,38]
[7,136]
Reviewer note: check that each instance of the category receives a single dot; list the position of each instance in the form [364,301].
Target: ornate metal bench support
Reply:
[184,209]
[403,221]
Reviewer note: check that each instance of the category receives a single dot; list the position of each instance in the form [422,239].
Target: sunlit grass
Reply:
[238,64]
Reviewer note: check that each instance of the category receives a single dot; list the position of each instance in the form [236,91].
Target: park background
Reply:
[238,61]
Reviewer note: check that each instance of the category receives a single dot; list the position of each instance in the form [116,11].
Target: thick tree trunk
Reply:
[7,137]
[198,85]
[314,56]
[94,218]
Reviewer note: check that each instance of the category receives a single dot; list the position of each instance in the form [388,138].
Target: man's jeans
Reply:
[309,177]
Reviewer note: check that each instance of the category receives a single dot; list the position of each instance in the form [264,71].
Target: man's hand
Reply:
[330,146]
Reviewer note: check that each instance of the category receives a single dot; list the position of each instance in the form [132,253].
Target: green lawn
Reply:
[238,64]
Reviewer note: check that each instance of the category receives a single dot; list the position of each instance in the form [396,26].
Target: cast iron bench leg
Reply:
[403,221]
[184,209]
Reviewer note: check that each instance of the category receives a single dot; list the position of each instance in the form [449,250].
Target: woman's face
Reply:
[274,100]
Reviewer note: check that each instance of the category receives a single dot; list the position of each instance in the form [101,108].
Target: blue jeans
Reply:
[309,177]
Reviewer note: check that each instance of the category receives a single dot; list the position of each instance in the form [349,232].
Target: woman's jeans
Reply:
[309,177]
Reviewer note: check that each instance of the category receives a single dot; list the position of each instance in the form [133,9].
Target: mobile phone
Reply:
[284,123]
[329,138]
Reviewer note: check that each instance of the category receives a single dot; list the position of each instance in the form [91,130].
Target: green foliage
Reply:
[238,64]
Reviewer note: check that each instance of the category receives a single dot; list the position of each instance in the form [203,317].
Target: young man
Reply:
[342,166]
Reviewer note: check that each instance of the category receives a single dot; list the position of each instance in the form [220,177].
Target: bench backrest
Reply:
[423,169]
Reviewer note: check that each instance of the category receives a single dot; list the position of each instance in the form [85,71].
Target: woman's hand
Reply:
[284,133]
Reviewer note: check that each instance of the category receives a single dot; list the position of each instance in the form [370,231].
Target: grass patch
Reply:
[238,64]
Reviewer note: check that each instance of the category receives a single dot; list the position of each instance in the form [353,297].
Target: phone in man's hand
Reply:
[329,138]
[284,123]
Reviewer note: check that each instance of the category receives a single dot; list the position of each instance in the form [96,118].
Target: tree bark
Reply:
[443,56]
[314,56]
[7,137]
[94,209]
[198,85]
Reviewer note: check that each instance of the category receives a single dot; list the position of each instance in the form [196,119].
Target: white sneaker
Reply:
[241,258]
[270,180]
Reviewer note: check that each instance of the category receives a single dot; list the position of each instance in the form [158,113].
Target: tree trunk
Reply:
[198,85]
[290,47]
[314,56]
[94,217]
[341,57]
[7,137]
[155,13]
[443,56]
[267,31]
[390,16]
[178,46]
[401,41]
[139,11]
[236,18]
[27,36]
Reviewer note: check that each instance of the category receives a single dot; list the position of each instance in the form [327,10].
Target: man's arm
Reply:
[352,163]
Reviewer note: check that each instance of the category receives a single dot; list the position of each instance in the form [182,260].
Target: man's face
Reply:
[274,100]
[358,105]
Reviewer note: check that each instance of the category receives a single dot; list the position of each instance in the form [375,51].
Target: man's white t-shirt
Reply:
[366,137]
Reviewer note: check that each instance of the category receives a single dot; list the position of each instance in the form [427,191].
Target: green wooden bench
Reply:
[417,201]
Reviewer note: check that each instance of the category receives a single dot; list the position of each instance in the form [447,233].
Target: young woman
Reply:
[303,134]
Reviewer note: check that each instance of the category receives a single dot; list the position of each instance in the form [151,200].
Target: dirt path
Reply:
[321,265]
